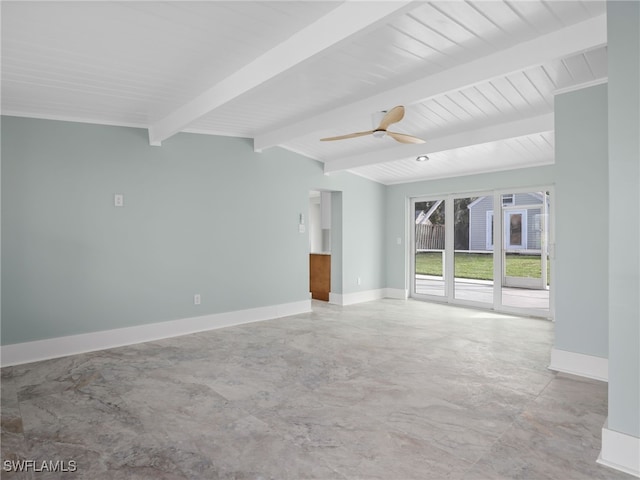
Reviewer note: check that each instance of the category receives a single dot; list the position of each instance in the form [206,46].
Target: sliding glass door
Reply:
[473,261]
[488,249]
[525,253]
[428,253]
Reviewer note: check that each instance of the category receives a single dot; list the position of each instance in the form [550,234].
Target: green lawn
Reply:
[479,266]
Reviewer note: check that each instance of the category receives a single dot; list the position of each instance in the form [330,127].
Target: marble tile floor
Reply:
[389,389]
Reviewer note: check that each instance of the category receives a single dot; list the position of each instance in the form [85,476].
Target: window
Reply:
[507,199]
[489,230]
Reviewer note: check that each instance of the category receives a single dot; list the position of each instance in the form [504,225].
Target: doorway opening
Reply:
[322,235]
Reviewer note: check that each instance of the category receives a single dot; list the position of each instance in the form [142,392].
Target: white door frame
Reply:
[498,265]
[412,250]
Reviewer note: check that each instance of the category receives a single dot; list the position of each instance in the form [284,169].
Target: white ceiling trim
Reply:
[425,177]
[580,86]
[491,133]
[343,22]
[70,118]
[564,42]
[213,133]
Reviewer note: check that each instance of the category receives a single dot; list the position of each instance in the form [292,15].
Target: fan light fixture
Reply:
[422,158]
[382,120]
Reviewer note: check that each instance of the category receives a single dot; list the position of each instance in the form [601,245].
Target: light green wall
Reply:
[202,214]
[581,207]
[623,20]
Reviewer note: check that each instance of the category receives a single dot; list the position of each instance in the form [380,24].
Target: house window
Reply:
[489,230]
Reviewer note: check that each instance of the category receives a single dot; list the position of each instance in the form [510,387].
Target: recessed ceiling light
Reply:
[422,158]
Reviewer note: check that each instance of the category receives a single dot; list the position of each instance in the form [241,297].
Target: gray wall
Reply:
[202,214]
[581,224]
[624,216]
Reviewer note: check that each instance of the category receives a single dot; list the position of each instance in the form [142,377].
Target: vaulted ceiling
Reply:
[477,78]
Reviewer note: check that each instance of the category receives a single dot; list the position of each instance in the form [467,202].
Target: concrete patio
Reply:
[482,291]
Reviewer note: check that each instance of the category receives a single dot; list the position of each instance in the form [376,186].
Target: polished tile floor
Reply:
[388,390]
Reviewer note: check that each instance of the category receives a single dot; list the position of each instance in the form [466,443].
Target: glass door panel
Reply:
[429,248]
[473,249]
[525,260]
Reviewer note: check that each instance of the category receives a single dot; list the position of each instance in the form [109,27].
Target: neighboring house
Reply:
[524,222]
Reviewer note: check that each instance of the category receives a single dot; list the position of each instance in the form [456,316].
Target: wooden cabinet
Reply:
[320,276]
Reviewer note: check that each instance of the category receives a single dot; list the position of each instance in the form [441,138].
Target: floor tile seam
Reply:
[158,443]
[157,438]
[553,377]
[492,446]
[71,388]
[512,425]
[21,434]
[526,407]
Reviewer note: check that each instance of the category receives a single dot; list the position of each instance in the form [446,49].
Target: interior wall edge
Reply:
[620,451]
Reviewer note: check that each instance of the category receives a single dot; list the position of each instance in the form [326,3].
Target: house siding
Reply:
[478,221]
[478,224]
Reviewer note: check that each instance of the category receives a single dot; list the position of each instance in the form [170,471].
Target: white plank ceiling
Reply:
[477,78]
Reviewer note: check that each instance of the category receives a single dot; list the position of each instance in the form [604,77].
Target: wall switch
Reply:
[196,299]
[118,200]
[359,281]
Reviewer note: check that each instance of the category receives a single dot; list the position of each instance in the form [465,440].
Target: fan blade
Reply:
[404,138]
[392,116]
[343,137]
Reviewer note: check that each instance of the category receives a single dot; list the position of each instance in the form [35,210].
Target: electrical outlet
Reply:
[359,281]
[196,299]
[118,200]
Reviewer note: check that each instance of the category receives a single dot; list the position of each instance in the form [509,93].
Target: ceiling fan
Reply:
[388,117]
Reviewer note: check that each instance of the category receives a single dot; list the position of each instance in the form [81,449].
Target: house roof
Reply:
[477,78]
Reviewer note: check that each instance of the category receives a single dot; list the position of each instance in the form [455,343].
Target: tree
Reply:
[460,218]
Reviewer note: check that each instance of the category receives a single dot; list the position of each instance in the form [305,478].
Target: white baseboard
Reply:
[579,364]
[335,298]
[27,352]
[398,293]
[367,296]
[620,451]
[356,297]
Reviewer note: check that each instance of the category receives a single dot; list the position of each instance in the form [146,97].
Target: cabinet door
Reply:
[320,276]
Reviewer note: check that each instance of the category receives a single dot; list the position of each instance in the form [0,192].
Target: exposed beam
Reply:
[561,43]
[491,133]
[342,22]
